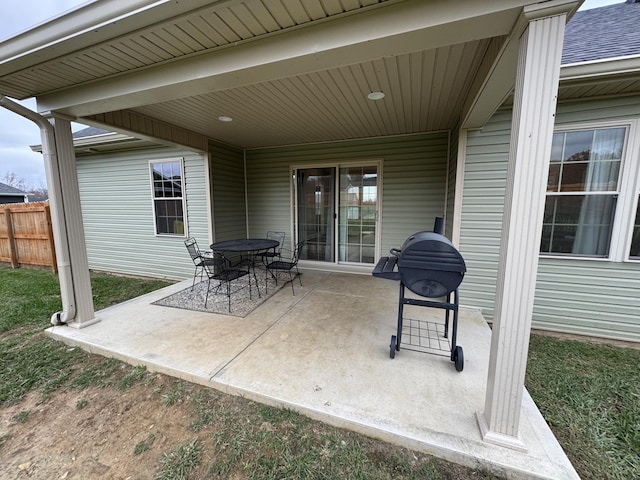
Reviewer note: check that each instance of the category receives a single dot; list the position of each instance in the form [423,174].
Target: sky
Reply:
[17,133]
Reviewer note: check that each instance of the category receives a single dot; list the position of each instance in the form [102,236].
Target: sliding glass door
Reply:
[358,209]
[316,213]
[338,227]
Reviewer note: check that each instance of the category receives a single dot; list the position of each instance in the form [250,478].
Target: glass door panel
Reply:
[358,211]
[316,213]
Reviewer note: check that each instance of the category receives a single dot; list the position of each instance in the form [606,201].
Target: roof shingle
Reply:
[605,32]
[9,190]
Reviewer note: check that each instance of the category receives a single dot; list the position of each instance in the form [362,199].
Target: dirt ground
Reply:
[113,434]
[90,433]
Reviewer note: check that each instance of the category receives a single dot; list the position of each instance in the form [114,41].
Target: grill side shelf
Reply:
[386,268]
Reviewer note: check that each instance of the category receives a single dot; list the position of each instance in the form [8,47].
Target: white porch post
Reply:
[531,133]
[65,211]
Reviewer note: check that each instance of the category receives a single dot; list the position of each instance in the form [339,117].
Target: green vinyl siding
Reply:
[598,110]
[117,211]
[269,193]
[482,207]
[413,181]
[451,182]
[589,298]
[228,192]
[585,297]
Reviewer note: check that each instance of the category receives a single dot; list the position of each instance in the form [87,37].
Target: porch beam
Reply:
[151,129]
[535,100]
[392,29]
[495,81]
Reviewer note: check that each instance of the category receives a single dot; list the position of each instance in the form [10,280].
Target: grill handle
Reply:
[395,251]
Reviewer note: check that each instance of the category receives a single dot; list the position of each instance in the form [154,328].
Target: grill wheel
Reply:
[458,357]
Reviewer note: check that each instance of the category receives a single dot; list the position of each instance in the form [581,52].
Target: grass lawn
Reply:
[589,394]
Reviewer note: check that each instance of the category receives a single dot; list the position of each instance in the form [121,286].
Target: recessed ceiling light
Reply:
[375,96]
[224,118]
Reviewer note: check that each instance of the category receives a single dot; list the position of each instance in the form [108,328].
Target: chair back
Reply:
[192,248]
[279,236]
[216,265]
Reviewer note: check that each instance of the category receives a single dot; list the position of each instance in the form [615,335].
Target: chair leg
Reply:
[195,274]
[291,281]
[206,298]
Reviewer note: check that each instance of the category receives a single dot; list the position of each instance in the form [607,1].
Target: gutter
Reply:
[50,155]
[596,69]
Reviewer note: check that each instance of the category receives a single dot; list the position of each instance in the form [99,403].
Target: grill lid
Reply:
[430,251]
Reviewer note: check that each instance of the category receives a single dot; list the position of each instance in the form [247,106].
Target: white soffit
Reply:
[287,71]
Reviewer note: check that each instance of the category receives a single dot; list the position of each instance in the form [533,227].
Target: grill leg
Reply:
[454,329]
[456,351]
[446,317]
[400,314]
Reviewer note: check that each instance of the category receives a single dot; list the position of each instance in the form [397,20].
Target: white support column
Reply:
[531,134]
[70,220]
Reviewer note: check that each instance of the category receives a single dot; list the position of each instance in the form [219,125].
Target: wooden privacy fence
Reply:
[26,237]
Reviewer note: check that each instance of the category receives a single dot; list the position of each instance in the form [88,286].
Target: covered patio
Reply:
[325,353]
[296,77]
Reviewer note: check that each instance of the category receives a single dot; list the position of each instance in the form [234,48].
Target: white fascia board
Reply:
[600,68]
[392,29]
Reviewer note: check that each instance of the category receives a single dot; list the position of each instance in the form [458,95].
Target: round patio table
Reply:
[245,245]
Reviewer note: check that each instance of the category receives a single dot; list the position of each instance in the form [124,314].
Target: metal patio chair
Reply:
[286,266]
[225,273]
[200,258]
[272,253]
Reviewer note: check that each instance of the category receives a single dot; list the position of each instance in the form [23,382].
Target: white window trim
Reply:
[634,190]
[628,188]
[184,198]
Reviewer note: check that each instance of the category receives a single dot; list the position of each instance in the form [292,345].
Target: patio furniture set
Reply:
[229,262]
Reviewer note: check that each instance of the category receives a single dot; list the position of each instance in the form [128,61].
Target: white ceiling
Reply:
[424,91]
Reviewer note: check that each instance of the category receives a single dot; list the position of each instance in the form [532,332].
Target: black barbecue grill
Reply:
[431,267]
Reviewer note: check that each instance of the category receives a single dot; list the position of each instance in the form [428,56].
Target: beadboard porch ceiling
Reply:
[285,71]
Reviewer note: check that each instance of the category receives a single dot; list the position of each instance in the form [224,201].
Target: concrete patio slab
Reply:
[325,352]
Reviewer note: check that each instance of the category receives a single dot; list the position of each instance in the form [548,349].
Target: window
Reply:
[582,191]
[168,201]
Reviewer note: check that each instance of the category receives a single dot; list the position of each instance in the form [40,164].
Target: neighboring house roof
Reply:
[90,132]
[9,190]
[604,32]
[92,140]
